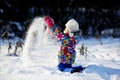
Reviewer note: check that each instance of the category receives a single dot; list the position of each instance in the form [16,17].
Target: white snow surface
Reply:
[103,61]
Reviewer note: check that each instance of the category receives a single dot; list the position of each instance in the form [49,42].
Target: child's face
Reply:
[66,30]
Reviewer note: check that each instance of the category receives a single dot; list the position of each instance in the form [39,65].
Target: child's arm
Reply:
[56,31]
[78,35]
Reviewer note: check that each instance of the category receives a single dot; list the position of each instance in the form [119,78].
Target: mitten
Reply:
[49,21]
[77,33]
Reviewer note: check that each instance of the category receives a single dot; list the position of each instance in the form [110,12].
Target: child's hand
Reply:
[80,32]
[49,21]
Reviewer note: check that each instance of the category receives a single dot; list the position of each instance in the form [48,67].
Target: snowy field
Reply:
[38,60]
[103,62]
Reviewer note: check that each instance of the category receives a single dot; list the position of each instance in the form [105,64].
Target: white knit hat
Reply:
[73,25]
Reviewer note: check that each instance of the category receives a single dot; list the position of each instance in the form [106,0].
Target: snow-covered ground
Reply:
[38,61]
[103,62]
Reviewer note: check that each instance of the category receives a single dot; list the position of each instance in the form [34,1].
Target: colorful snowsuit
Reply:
[67,53]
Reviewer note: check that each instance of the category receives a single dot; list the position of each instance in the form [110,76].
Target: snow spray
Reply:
[36,37]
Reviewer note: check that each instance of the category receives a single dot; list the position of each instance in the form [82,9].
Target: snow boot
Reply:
[77,69]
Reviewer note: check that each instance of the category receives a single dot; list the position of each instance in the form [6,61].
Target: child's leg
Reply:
[68,68]
[64,67]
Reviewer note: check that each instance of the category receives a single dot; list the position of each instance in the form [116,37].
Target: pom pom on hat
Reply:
[49,21]
[72,25]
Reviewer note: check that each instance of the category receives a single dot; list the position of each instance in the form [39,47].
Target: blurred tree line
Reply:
[93,16]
